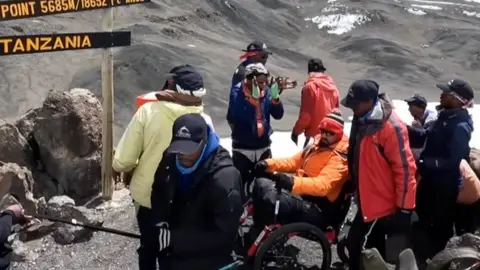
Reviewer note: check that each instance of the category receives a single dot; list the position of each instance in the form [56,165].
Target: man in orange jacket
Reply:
[382,168]
[319,174]
[319,96]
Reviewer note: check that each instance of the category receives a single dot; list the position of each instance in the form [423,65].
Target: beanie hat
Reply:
[333,122]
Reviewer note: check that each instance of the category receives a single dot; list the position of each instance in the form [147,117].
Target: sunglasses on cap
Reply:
[326,132]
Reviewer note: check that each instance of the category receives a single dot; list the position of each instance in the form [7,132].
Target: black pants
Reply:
[436,209]
[246,168]
[377,233]
[149,245]
[292,208]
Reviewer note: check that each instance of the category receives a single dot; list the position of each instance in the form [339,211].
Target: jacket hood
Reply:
[322,80]
[456,116]
[381,111]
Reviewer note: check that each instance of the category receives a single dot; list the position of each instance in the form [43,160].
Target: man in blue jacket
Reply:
[256,52]
[446,144]
[251,104]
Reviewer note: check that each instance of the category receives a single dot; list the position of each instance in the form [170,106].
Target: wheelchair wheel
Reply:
[461,258]
[268,257]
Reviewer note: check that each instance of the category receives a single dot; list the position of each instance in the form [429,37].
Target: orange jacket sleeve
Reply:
[398,153]
[306,107]
[328,183]
[285,165]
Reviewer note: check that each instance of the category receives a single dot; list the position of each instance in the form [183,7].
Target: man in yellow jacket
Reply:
[318,174]
[147,136]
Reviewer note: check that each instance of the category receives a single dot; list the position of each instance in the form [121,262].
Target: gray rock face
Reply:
[18,182]
[14,147]
[67,131]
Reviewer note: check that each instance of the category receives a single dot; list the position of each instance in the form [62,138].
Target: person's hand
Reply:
[283,181]
[294,138]
[127,178]
[261,166]
[402,219]
[117,176]
[416,124]
[275,92]
[164,236]
[17,210]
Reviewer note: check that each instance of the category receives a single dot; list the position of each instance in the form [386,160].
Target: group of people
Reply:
[189,191]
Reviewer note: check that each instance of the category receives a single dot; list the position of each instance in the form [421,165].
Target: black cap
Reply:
[459,87]
[316,65]
[188,132]
[361,90]
[257,46]
[417,100]
[186,77]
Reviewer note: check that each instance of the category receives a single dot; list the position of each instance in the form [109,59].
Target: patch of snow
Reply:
[191,45]
[471,13]
[442,3]
[339,24]
[416,11]
[474,1]
[427,7]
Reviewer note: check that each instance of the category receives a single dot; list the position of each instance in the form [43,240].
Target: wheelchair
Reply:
[267,248]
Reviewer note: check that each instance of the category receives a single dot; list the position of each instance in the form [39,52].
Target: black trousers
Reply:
[376,234]
[436,209]
[246,168]
[148,251]
[292,208]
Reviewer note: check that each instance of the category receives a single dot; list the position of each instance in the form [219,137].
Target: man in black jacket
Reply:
[196,199]
[446,144]
[11,216]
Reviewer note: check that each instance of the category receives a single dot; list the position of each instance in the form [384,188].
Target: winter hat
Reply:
[333,122]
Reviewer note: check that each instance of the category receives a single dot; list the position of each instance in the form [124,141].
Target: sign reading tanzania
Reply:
[62,42]
[12,10]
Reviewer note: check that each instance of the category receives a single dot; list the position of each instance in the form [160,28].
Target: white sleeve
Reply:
[209,121]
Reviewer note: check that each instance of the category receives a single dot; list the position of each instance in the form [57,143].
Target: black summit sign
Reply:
[13,10]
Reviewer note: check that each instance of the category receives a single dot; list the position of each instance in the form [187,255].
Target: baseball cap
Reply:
[188,132]
[316,65]
[417,99]
[254,48]
[360,90]
[187,80]
[459,87]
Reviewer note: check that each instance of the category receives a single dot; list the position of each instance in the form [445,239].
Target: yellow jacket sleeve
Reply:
[328,183]
[130,147]
[285,165]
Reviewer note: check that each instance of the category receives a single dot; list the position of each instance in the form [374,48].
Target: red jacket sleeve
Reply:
[306,109]
[402,163]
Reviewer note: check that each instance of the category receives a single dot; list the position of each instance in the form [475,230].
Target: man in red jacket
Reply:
[319,96]
[382,168]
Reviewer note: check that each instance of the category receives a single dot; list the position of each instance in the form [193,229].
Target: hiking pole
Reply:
[88,226]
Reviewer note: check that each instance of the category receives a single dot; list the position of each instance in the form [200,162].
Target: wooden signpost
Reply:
[14,45]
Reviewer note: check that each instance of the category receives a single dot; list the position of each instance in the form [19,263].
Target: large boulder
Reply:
[18,182]
[13,146]
[68,133]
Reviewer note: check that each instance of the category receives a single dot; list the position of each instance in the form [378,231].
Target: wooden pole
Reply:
[107,116]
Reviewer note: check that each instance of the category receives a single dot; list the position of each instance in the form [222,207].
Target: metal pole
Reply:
[107,115]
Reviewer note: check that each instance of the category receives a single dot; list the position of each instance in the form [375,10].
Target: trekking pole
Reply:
[88,226]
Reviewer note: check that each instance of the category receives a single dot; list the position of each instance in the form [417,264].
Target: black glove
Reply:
[294,138]
[261,167]
[283,181]
[402,220]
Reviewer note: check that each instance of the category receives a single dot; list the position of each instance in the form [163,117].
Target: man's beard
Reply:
[323,143]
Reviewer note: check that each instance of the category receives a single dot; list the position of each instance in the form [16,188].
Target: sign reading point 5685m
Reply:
[12,10]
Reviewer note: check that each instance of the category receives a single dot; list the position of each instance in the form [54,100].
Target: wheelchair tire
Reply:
[342,250]
[442,260]
[295,228]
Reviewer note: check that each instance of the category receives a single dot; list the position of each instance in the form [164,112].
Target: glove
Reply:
[164,236]
[402,219]
[294,138]
[275,91]
[283,181]
[261,166]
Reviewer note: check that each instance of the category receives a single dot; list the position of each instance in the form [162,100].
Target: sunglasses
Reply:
[326,132]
